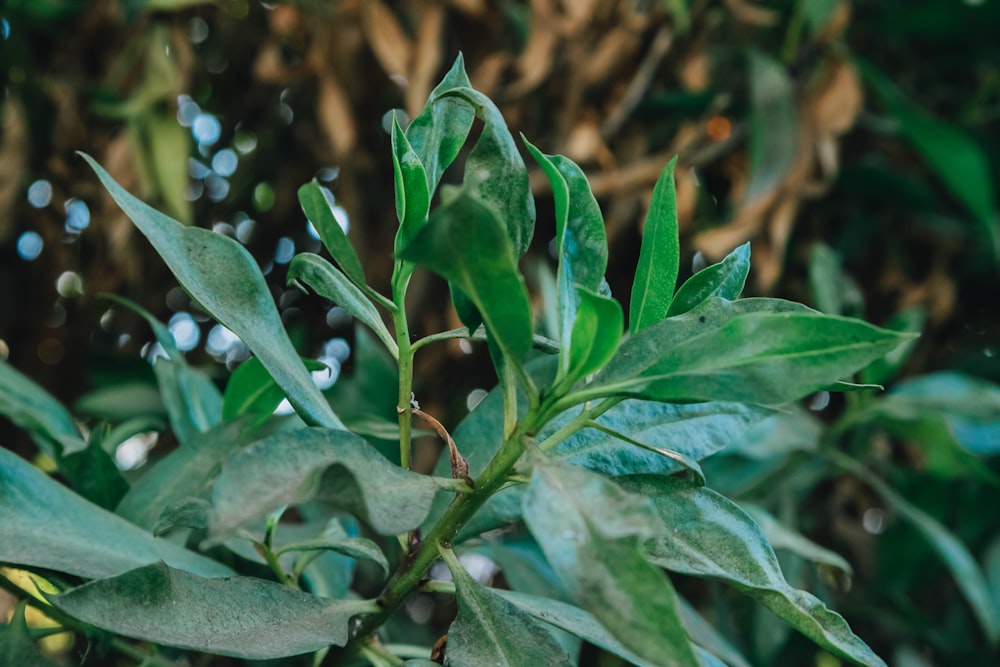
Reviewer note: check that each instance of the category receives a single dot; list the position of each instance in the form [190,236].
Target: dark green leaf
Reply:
[186,513]
[318,211]
[834,292]
[37,412]
[333,285]
[490,630]
[413,197]
[659,256]
[93,474]
[439,131]
[224,278]
[46,525]
[703,534]
[597,330]
[591,532]
[241,617]
[724,280]
[773,125]
[288,468]
[16,647]
[465,243]
[250,390]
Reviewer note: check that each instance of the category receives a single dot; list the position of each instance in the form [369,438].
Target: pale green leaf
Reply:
[224,278]
[242,617]
[724,280]
[703,534]
[48,526]
[36,411]
[773,125]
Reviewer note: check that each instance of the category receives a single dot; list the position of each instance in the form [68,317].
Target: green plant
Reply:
[579,474]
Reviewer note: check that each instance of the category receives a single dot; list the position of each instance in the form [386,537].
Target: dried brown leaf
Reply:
[427,57]
[535,62]
[390,44]
[334,113]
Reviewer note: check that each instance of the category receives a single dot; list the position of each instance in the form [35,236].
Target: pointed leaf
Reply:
[331,284]
[781,536]
[659,256]
[439,131]
[704,534]
[317,209]
[242,617]
[335,538]
[193,402]
[490,630]
[46,525]
[287,468]
[37,412]
[591,532]
[597,330]
[250,390]
[759,358]
[224,278]
[466,244]
[724,280]
[413,198]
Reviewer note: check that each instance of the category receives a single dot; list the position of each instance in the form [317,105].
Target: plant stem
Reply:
[411,573]
[589,413]
[400,281]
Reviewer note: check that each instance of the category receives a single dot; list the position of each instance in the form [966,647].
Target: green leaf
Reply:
[597,331]
[118,402]
[192,400]
[250,390]
[168,145]
[582,624]
[317,209]
[242,617]
[335,538]
[833,290]
[16,645]
[956,157]
[184,472]
[495,174]
[287,468]
[724,280]
[883,370]
[439,131]
[773,125]
[160,330]
[695,430]
[46,525]
[963,566]
[703,534]
[334,286]
[93,474]
[591,532]
[465,243]
[704,635]
[490,630]
[659,256]
[413,197]
[582,246]
[759,358]
[224,278]
[36,411]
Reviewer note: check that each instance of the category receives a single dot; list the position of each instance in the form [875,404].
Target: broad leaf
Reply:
[16,645]
[758,358]
[318,212]
[591,532]
[37,412]
[773,125]
[250,390]
[659,256]
[287,468]
[331,284]
[439,131]
[184,472]
[224,278]
[724,280]
[490,630]
[466,244]
[242,617]
[704,534]
[413,197]
[578,622]
[48,526]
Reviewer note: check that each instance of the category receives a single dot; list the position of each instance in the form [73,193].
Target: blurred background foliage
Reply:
[853,143]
